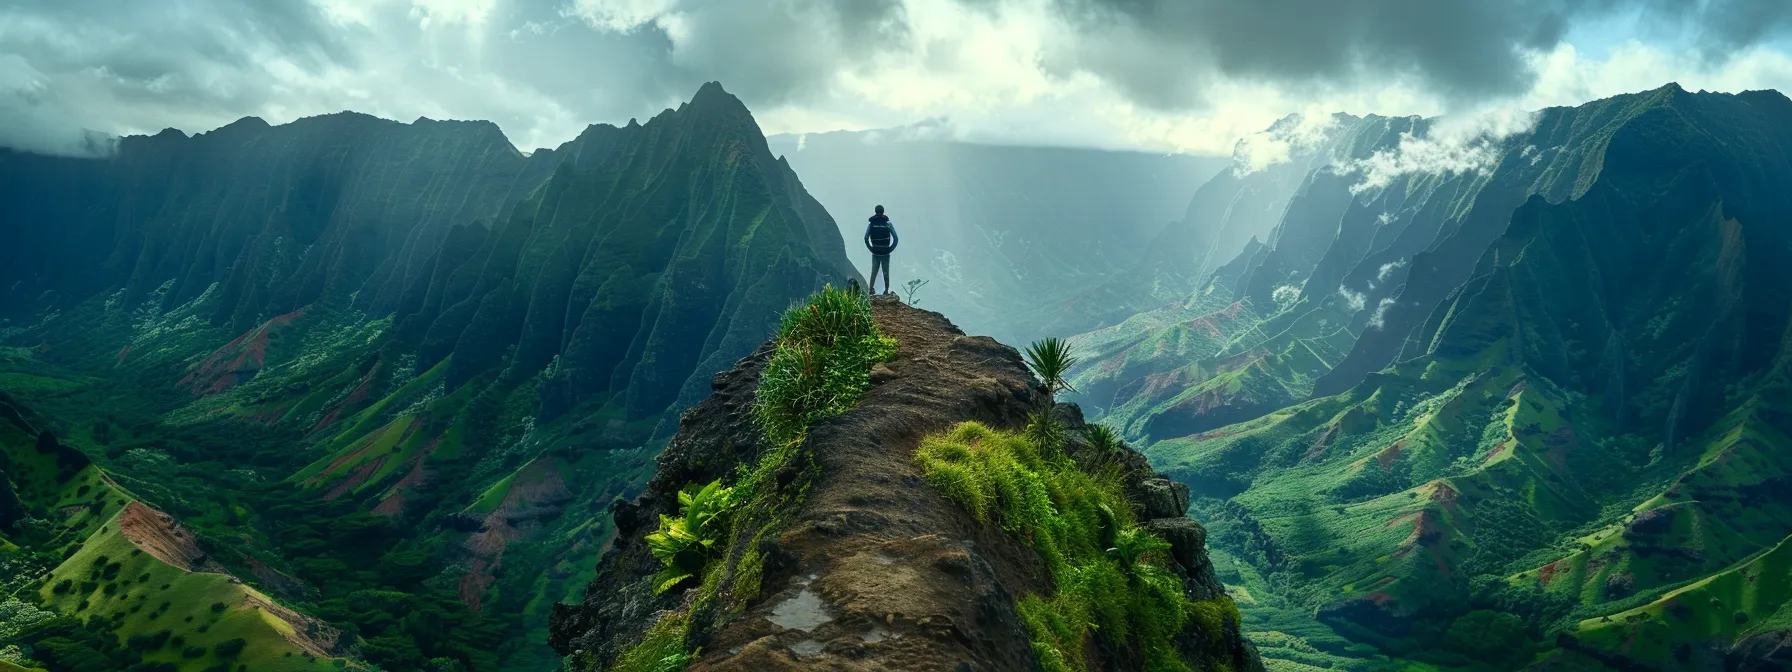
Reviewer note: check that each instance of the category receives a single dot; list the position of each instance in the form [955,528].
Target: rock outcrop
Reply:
[875,569]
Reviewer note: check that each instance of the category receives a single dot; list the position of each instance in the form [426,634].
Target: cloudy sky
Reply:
[1158,75]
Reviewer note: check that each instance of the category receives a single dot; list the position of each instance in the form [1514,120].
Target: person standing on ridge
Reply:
[880,238]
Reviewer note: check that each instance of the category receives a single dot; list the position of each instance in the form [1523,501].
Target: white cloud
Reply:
[1565,76]
[1356,300]
[619,15]
[1454,144]
[1015,71]
[470,13]
[1387,268]
[1298,134]
[1378,320]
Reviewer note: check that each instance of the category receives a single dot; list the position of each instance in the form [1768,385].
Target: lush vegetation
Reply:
[405,429]
[822,363]
[1108,576]
[1554,437]
[687,542]
[819,368]
[1050,359]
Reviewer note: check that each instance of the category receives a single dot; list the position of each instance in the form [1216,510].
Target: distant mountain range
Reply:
[1008,238]
[382,368]
[1528,413]
[1447,394]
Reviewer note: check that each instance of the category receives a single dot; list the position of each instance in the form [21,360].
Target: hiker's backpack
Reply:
[882,235]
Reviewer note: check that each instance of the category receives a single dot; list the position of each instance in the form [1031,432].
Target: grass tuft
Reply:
[822,364]
[1110,576]
[660,650]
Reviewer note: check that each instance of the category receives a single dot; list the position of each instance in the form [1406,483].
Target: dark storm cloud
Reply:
[782,50]
[1164,53]
[1727,25]
[69,68]
[63,63]
[607,76]
[542,69]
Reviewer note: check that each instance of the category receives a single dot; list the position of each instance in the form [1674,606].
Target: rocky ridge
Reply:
[875,570]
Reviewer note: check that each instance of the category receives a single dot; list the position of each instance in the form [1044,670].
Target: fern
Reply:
[1132,544]
[687,542]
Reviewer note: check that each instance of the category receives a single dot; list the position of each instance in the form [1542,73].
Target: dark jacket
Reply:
[880,235]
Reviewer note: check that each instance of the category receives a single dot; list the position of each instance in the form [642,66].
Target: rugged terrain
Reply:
[874,569]
[1531,414]
[380,368]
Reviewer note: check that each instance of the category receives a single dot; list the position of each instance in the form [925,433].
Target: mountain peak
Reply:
[710,89]
[713,97]
[246,122]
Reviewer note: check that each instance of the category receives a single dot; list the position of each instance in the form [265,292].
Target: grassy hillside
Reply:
[90,549]
[1586,434]
[395,394]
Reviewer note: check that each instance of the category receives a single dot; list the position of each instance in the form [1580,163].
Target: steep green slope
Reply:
[1353,267]
[384,369]
[1222,219]
[88,548]
[1589,426]
[1237,356]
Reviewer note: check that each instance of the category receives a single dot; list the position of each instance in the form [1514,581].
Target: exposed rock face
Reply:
[1762,652]
[875,570]
[11,509]
[159,535]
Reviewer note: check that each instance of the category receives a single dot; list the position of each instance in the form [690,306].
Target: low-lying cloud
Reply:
[1459,144]
[1387,268]
[1296,135]
[1379,320]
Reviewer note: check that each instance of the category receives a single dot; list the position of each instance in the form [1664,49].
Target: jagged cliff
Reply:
[1531,415]
[407,349]
[873,568]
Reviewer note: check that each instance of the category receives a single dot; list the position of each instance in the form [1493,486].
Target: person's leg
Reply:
[880,262]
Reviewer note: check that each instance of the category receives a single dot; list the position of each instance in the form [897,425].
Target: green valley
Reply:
[354,393]
[1222,336]
[1552,433]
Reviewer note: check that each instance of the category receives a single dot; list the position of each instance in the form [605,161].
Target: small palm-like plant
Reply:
[1130,545]
[1045,432]
[1104,440]
[1050,359]
[687,542]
